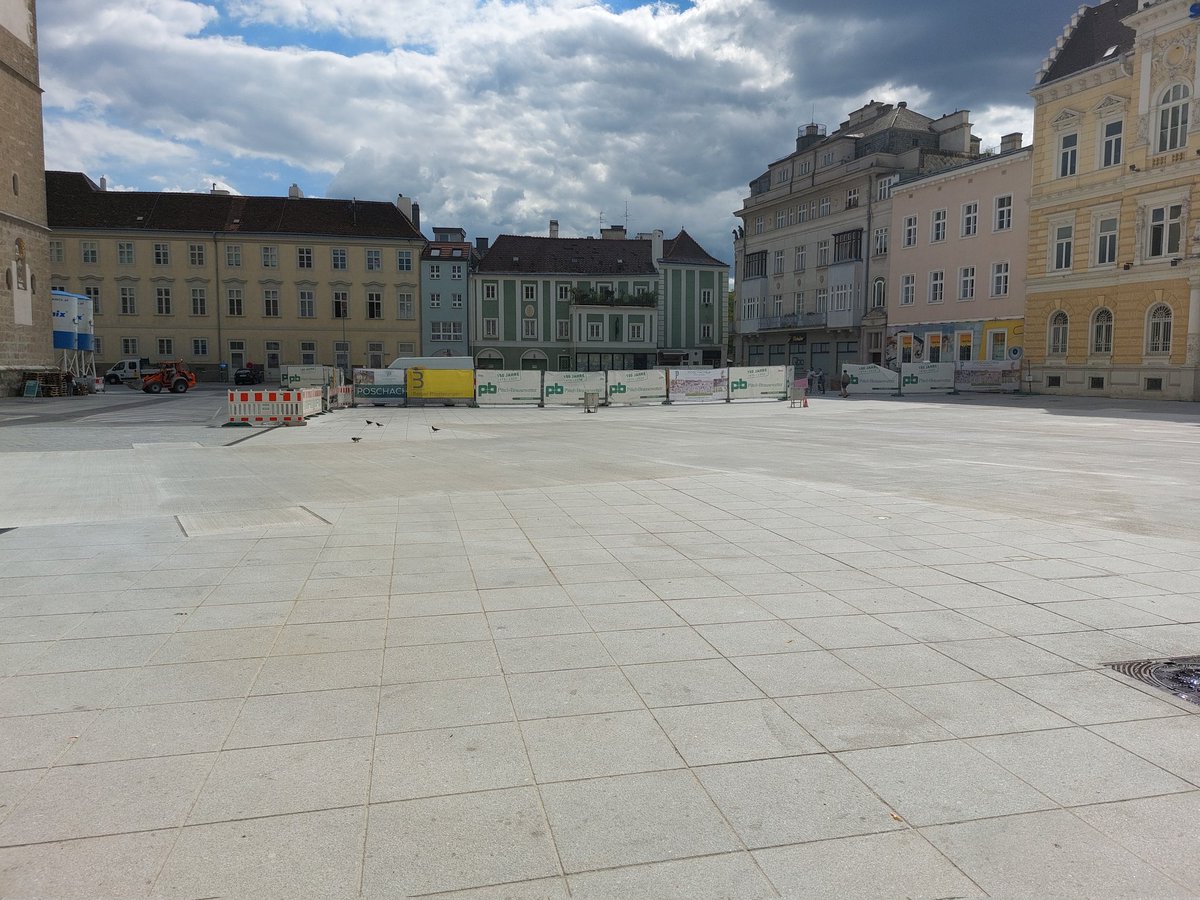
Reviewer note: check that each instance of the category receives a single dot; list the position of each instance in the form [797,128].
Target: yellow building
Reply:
[222,281]
[1113,289]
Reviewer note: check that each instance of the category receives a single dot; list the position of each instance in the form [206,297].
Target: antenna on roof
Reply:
[627,215]
[601,228]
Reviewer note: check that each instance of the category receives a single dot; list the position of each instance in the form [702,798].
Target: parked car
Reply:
[253,375]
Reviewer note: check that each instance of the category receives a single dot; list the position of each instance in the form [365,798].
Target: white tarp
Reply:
[569,387]
[927,378]
[697,384]
[508,386]
[637,386]
[872,379]
[758,382]
[988,376]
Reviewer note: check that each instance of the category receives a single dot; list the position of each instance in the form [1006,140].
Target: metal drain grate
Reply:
[1179,676]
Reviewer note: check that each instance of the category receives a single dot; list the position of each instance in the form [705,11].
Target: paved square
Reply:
[690,651]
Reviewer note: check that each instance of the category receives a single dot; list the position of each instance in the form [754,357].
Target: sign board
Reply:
[637,386]
[988,376]
[569,387]
[697,384]
[758,382]
[927,378]
[307,376]
[440,384]
[31,389]
[506,386]
[380,385]
[872,379]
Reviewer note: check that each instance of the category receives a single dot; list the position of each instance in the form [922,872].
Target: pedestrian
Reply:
[845,384]
[821,380]
[812,382]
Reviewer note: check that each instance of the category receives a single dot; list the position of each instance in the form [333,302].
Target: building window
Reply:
[997,345]
[878,294]
[827,158]
[1004,213]
[801,257]
[1106,241]
[456,271]
[966,346]
[822,253]
[195,254]
[910,231]
[777,304]
[563,329]
[233,256]
[706,296]
[966,283]
[781,218]
[89,252]
[847,246]
[706,332]
[881,241]
[1064,241]
[93,293]
[129,346]
[937,286]
[1068,154]
[970,219]
[758,225]
[341,304]
[308,304]
[404,306]
[636,331]
[270,257]
[445,331]
[435,270]
[883,187]
[271,303]
[337,259]
[1000,279]
[166,348]
[777,263]
[374,260]
[124,253]
[1102,331]
[304,258]
[1173,118]
[1158,334]
[1166,229]
[489,291]
[404,260]
[852,198]
[374,305]
[908,290]
[58,252]
[199,301]
[234,297]
[937,226]
[755,265]
[595,331]
[1110,154]
[308,353]
[825,206]
[491,328]
[1059,325]
[405,348]
[128,301]
[199,346]
[564,293]
[435,301]
[162,301]
[529,329]
[529,291]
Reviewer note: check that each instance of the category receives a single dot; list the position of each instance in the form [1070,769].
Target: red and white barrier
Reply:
[274,407]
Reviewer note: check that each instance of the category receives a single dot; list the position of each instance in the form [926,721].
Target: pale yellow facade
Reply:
[1113,288]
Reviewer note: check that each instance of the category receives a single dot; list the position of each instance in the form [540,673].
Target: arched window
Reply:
[1173,118]
[879,293]
[1158,330]
[1058,333]
[1102,331]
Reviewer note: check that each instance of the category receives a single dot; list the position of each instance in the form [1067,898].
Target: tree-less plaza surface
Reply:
[690,651]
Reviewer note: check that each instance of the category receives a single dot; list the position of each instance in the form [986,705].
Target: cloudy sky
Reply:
[498,115]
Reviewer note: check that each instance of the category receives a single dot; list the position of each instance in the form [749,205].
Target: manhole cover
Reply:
[1179,676]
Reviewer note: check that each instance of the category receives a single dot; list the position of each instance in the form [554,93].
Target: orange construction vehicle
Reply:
[171,374]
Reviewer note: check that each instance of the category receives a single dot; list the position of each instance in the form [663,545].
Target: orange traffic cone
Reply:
[804,405]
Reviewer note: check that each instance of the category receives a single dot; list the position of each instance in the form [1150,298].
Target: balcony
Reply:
[582,297]
[780,323]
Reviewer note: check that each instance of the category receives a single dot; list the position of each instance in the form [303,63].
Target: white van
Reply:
[126,370]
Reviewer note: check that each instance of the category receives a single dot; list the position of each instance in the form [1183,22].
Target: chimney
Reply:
[554,228]
[103,183]
[481,245]
[294,192]
[416,215]
[954,132]
[613,233]
[657,248]
[1010,142]
[405,205]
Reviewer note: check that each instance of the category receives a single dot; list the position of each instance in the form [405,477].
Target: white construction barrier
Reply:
[697,385]
[571,388]
[637,386]
[274,407]
[508,386]
[872,379]
[759,382]
[988,376]
[379,386]
[927,378]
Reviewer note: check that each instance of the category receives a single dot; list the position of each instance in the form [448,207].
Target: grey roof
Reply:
[1098,31]
[682,250]
[521,254]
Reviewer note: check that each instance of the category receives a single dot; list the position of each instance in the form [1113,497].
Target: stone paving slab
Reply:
[601,656]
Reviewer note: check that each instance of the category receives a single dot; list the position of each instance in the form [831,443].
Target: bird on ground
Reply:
[378,424]
[434,428]
[369,422]
[356,439]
